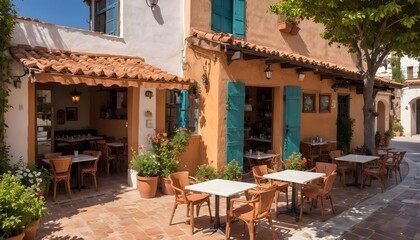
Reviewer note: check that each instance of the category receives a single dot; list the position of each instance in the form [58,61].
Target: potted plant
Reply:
[388,135]
[286,23]
[296,162]
[167,150]
[397,128]
[194,90]
[205,172]
[32,177]
[147,167]
[231,171]
[19,207]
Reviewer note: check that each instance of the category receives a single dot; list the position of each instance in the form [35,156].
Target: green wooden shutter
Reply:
[221,15]
[235,122]
[183,109]
[292,110]
[239,18]
[111,17]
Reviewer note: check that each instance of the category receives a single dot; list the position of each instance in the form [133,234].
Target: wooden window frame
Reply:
[306,96]
[322,108]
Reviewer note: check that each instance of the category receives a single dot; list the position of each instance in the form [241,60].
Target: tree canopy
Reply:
[369,28]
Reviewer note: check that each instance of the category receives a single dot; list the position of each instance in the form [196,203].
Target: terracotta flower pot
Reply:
[147,186]
[31,230]
[18,237]
[285,27]
[295,30]
[165,185]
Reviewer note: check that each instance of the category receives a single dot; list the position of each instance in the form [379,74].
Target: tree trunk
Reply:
[368,110]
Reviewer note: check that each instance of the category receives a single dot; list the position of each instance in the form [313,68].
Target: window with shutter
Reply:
[181,111]
[106,16]
[228,16]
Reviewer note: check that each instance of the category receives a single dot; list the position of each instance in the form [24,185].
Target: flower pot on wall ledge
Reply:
[285,27]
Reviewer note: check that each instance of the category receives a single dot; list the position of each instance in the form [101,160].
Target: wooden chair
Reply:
[281,187]
[182,196]
[323,167]
[273,163]
[92,168]
[252,211]
[318,193]
[309,153]
[61,168]
[107,156]
[377,170]
[326,149]
[394,165]
[342,167]
[52,155]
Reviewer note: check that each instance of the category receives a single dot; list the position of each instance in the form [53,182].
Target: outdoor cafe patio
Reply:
[117,211]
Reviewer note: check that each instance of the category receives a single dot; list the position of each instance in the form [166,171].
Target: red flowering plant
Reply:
[296,161]
[168,148]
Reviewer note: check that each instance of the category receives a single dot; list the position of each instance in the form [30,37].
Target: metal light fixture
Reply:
[152,3]
[301,76]
[149,94]
[17,82]
[75,95]
[268,72]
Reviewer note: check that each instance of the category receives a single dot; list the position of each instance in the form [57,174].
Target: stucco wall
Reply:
[409,95]
[213,101]
[261,28]
[157,36]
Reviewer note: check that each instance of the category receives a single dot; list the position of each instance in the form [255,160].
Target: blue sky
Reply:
[71,13]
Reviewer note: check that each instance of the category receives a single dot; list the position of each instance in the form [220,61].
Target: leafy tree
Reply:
[7,22]
[397,74]
[369,28]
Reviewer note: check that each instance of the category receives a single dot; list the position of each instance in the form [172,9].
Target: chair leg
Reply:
[68,187]
[108,163]
[94,181]
[287,197]
[82,178]
[399,171]
[55,190]
[322,208]
[173,212]
[270,221]
[276,201]
[301,207]
[332,205]
[227,226]
[192,218]
[251,230]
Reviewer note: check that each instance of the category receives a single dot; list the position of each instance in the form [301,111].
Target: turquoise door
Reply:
[235,122]
[292,109]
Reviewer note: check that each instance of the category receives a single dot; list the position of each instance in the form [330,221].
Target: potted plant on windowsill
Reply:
[147,167]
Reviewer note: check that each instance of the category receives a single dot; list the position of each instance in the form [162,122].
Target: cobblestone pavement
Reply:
[118,212]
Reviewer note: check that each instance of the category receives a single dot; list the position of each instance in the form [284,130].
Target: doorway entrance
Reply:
[258,118]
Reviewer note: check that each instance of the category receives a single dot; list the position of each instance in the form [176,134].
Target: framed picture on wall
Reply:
[308,103]
[71,114]
[324,103]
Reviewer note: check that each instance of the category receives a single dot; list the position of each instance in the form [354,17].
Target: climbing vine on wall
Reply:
[7,22]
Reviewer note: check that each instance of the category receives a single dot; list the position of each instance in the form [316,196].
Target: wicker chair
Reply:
[182,196]
[394,165]
[342,167]
[316,192]
[92,168]
[323,167]
[252,211]
[61,168]
[281,187]
[377,170]
[107,157]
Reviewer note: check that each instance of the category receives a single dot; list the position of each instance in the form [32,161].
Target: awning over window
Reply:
[67,67]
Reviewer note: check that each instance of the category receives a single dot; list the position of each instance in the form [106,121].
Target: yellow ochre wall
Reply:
[261,28]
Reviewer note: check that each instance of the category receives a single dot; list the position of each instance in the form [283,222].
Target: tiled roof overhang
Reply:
[413,82]
[254,51]
[68,67]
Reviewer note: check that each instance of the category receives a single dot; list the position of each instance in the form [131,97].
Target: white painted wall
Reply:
[409,95]
[157,36]
[146,104]
[17,118]
[409,62]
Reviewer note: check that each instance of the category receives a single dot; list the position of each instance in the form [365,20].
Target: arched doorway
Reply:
[380,121]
